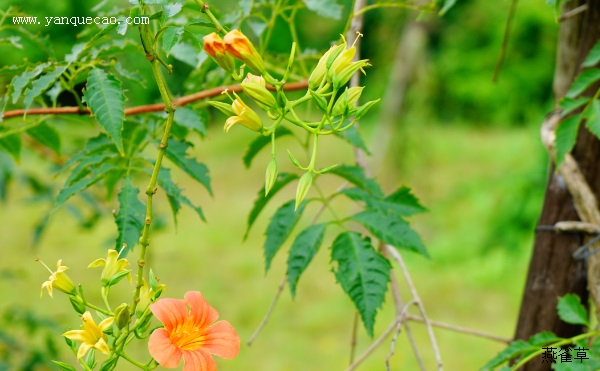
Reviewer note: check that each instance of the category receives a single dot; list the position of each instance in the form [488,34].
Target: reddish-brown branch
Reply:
[148,107]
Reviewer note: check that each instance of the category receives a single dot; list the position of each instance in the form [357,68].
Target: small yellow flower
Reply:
[114,268]
[92,335]
[58,280]
[147,295]
[245,116]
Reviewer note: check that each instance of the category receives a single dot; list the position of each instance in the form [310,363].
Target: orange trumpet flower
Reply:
[189,333]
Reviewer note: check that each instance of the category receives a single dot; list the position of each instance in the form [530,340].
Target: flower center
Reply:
[187,337]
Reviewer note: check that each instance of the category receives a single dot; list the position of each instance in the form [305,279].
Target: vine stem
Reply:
[269,312]
[206,10]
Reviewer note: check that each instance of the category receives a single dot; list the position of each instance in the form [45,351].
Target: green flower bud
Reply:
[77,303]
[254,87]
[342,61]
[223,107]
[293,159]
[270,176]
[303,186]
[319,100]
[362,110]
[318,74]
[342,77]
[122,316]
[110,364]
[335,52]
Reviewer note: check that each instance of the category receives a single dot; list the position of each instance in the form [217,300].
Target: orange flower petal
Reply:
[202,313]
[198,360]
[171,312]
[221,339]
[163,350]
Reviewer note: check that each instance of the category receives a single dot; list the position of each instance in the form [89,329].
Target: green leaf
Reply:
[279,228]
[107,102]
[41,85]
[543,338]
[356,175]
[129,219]
[72,189]
[261,142]
[391,229]
[363,273]
[19,82]
[570,310]
[196,120]
[46,135]
[566,136]
[593,118]
[583,81]
[593,57]
[513,350]
[64,366]
[176,152]
[406,203]
[352,136]
[261,200]
[325,8]
[447,5]
[12,145]
[175,194]
[100,34]
[302,252]
[569,105]
[130,75]
[170,37]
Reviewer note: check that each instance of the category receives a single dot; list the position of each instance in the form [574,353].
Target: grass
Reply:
[477,185]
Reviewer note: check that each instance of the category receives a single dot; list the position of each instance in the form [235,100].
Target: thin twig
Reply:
[268,315]
[459,329]
[511,15]
[420,305]
[353,339]
[573,12]
[401,321]
[374,345]
[182,101]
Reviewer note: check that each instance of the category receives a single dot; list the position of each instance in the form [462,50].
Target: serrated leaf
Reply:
[175,195]
[176,152]
[363,273]
[593,57]
[401,202]
[170,37]
[192,119]
[19,82]
[543,338]
[569,105]
[302,252]
[279,228]
[129,219]
[391,229]
[593,118]
[352,136]
[64,366]
[325,8]
[261,200]
[259,143]
[94,145]
[513,350]
[130,75]
[100,34]
[566,136]
[12,145]
[571,310]
[172,9]
[41,85]
[107,102]
[70,190]
[356,175]
[46,135]
[583,81]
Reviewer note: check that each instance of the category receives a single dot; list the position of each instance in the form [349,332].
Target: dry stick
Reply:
[573,12]
[459,329]
[182,101]
[401,318]
[282,284]
[353,340]
[396,255]
[393,347]
[268,315]
[511,15]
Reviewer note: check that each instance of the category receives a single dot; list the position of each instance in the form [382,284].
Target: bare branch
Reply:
[374,346]
[462,330]
[573,12]
[268,315]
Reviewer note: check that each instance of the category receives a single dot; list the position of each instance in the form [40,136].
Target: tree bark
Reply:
[553,271]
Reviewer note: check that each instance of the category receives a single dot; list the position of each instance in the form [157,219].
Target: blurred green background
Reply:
[467,147]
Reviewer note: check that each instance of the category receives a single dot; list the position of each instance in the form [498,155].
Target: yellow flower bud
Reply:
[342,77]
[245,116]
[255,87]
[215,47]
[238,45]
[114,268]
[59,280]
[270,176]
[223,107]
[303,186]
[343,60]
[318,74]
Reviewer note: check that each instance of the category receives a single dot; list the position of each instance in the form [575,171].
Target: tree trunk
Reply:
[553,271]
